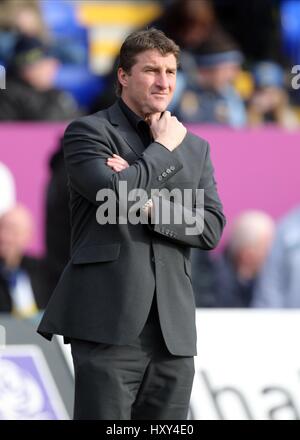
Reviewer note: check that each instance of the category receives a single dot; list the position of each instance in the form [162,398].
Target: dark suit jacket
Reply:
[106,289]
[58,228]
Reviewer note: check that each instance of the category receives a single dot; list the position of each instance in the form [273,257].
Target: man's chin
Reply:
[159,108]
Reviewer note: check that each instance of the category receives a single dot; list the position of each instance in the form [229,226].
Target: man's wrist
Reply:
[148,206]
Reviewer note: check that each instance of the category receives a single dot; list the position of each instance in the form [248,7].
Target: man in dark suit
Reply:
[125,299]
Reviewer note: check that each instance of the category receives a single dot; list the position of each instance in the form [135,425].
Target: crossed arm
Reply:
[92,165]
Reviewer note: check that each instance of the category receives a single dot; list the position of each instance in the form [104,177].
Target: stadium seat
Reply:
[77,80]
[290,25]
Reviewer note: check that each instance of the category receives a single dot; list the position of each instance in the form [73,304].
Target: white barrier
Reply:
[248,365]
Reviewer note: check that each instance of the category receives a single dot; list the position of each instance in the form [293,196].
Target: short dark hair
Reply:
[140,41]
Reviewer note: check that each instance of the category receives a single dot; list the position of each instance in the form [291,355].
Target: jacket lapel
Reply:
[125,129]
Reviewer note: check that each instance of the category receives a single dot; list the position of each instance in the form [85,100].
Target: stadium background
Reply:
[248,361]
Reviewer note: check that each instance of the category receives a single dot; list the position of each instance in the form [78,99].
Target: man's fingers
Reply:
[150,119]
[120,161]
[114,162]
[153,119]
[116,166]
[115,156]
[117,160]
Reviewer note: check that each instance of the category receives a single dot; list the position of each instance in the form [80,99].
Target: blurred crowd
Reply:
[235,65]
[234,71]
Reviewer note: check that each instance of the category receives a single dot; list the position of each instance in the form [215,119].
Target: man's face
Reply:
[41,74]
[15,233]
[149,87]
[220,76]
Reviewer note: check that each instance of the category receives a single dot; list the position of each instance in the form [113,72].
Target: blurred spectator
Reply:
[19,17]
[22,16]
[279,283]
[7,189]
[188,22]
[203,278]
[210,95]
[30,94]
[238,267]
[58,228]
[255,24]
[270,101]
[29,17]
[21,280]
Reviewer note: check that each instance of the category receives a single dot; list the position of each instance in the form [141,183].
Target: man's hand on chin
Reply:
[167,130]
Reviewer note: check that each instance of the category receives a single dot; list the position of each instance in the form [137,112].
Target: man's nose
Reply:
[162,81]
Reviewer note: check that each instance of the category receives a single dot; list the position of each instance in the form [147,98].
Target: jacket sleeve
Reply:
[203,223]
[86,149]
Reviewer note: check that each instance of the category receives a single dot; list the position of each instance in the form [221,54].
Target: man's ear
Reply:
[122,77]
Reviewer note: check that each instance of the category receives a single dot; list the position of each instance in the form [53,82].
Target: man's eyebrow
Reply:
[155,66]
[152,66]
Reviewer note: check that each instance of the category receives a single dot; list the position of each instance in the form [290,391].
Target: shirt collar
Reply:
[133,118]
